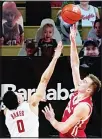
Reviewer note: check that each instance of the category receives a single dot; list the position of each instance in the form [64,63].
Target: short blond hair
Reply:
[96,83]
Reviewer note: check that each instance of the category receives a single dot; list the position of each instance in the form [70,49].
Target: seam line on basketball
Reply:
[70,12]
[71,19]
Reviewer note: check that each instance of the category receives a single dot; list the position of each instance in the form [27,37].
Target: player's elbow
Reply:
[63,131]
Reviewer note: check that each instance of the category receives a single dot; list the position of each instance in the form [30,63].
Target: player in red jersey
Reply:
[79,108]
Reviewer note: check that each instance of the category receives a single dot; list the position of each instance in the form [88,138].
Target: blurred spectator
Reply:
[31,48]
[90,48]
[89,53]
[89,13]
[47,37]
[64,29]
[95,32]
[47,43]
[13,33]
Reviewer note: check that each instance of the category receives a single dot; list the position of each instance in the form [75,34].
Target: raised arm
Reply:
[74,57]
[81,111]
[36,97]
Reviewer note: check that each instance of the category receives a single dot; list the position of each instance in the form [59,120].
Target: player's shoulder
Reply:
[82,107]
[81,110]
[24,104]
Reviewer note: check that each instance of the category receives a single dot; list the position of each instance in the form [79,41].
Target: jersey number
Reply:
[20,126]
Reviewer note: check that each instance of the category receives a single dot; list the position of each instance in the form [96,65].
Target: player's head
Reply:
[10,100]
[90,84]
[91,48]
[97,27]
[48,31]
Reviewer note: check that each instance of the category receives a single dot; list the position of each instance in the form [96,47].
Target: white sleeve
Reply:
[96,9]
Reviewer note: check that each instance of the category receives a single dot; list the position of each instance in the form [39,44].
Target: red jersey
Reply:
[78,129]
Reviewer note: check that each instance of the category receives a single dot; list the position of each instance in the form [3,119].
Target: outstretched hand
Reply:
[49,113]
[58,50]
[73,31]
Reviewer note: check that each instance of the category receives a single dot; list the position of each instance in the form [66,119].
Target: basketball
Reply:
[71,13]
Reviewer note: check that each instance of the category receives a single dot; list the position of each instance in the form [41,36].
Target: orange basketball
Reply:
[71,13]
